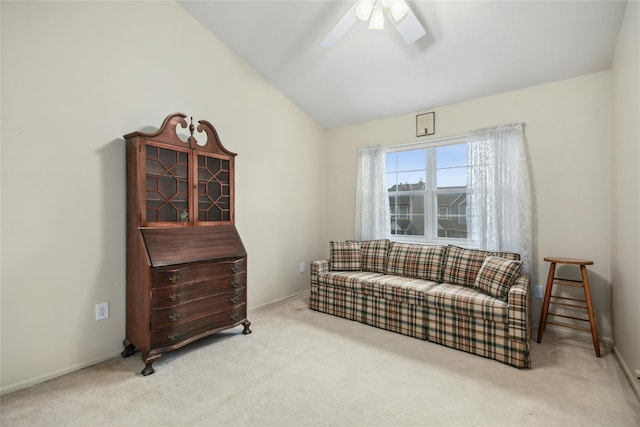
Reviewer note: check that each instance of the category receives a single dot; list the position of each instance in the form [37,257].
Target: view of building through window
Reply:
[428,191]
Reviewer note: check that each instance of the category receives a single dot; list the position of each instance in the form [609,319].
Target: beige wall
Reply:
[568,138]
[76,76]
[625,242]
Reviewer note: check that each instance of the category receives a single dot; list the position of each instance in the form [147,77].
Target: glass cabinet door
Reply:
[167,187]
[214,195]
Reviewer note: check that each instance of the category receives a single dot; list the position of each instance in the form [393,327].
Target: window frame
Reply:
[430,193]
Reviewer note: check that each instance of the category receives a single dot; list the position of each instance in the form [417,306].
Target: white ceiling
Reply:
[472,49]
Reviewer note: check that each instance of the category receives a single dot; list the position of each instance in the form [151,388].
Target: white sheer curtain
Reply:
[372,201]
[499,191]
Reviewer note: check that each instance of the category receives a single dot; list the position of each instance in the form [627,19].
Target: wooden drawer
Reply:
[169,296]
[169,276]
[215,321]
[184,313]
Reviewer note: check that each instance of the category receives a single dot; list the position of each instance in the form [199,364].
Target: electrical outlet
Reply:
[302,267]
[102,310]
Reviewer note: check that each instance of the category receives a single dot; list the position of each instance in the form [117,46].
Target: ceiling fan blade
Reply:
[341,28]
[409,27]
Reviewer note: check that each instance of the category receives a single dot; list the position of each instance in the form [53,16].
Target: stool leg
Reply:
[547,298]
[592,319]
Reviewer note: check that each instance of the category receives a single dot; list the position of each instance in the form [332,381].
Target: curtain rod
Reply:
[430,141]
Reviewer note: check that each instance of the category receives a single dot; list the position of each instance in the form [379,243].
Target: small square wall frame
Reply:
[426,124]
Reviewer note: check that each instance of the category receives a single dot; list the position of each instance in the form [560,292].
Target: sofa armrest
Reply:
[317,267]
[518,301]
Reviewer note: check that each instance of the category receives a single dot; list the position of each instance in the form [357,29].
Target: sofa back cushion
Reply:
[374,255]
[497,275]
[419,261]
[461,265]
[506,255]
[344,256]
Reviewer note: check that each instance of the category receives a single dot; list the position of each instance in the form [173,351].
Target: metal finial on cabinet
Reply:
[192,128]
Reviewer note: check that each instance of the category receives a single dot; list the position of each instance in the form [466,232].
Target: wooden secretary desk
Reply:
[186,264]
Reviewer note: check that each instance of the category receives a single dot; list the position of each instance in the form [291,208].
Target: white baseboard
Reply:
[306,291]
[635,383]
[562,331]
[51,375]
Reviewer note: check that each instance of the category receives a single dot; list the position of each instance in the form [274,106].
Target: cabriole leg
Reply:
[246,325]
[129,349]
[148,362]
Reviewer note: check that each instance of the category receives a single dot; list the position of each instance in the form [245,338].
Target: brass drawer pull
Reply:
[174,296]
[234,269]
[234,284]
[174,337]
[234,300]
[234,316]
[174,278]
[173,317]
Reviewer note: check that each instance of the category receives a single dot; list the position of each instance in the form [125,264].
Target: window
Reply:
[427,190]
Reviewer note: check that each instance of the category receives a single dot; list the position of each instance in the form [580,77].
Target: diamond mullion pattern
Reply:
[167,185]
[214,196]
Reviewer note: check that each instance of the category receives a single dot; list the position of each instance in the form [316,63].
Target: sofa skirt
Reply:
[393,316]
[477,336]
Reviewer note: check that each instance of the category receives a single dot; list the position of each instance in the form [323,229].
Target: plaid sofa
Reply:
[468,299]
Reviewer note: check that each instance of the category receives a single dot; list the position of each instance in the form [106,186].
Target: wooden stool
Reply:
[569,302]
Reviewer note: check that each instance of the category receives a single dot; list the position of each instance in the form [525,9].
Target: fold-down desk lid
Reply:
[180,245]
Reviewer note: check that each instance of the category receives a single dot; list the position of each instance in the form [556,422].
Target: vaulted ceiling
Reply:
[471,49]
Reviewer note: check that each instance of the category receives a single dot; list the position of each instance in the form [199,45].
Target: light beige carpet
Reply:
[304,368]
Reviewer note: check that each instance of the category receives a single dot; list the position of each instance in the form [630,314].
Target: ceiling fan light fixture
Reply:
[374,11]
[398,10]
[364,9]
[377,18]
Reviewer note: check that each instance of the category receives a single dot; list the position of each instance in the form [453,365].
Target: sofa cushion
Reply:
[418,261]
[374,255]
[344,256]
[497,275]
[461,266]
[466,301]
[350,280]
[506,255]
[398,289]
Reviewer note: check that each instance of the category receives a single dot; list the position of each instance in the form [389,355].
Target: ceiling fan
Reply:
[397,11]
